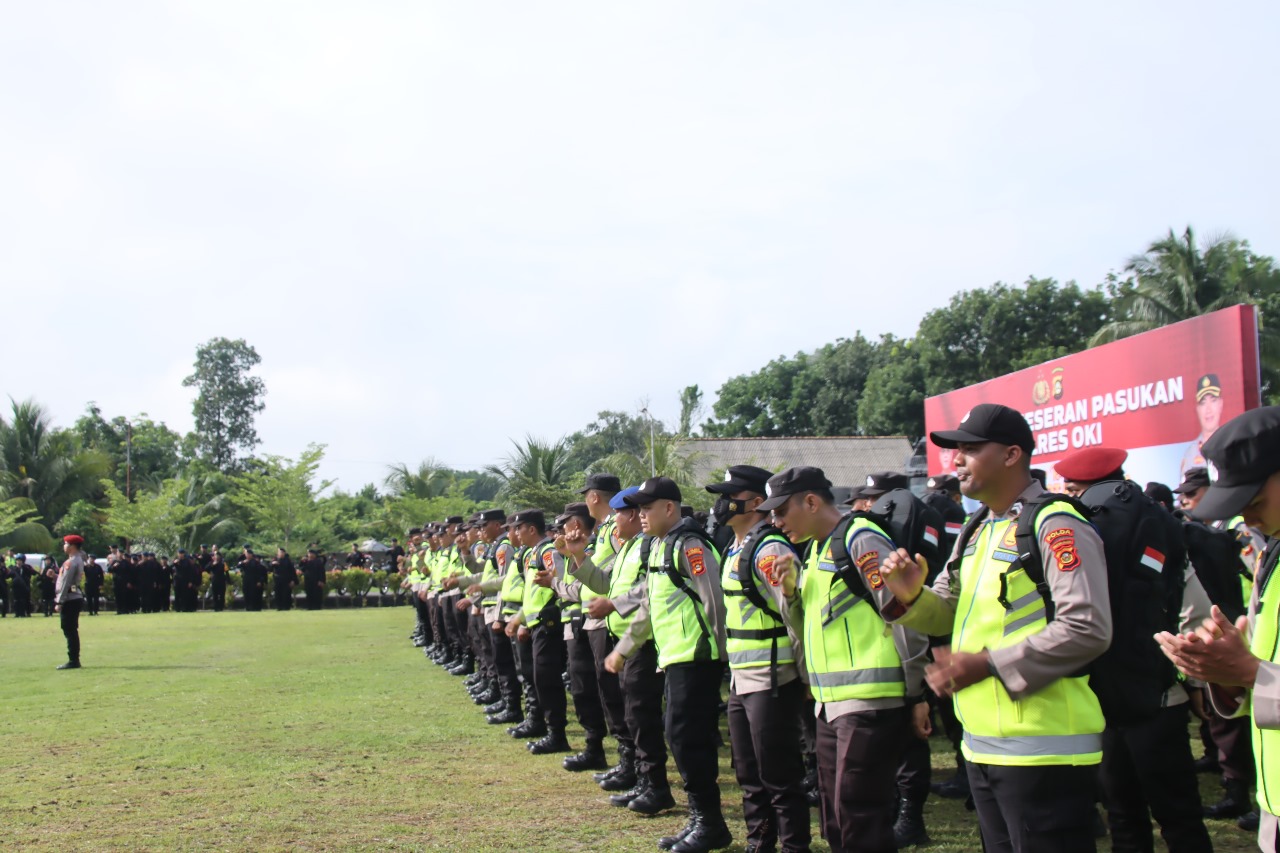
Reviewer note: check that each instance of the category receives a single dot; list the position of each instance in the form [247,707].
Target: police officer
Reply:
[313,579]
[69,599]
[1240,660]
[285,577]
[684,615]
[576,520]
[499,558]
[1147,768]
[22,575]
[93,578]
[766,691]
[868,679]
[253,576]
[217,579]
[1033,728]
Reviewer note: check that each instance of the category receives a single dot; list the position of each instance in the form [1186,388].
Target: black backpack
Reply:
[1146,559]
[953,519]
[906,520]
[1215,555]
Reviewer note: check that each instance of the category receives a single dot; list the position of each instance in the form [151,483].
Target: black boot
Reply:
[1207,763]
[710,831]
[909,829]
[655,798]
[1234,803]
[507,715]
[669,841]
[496,707]
[623,775]
[591,758]
[957,787]
[552,742]
[1249,822]
[623,799]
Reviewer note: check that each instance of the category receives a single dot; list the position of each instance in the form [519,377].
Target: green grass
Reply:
[299,731]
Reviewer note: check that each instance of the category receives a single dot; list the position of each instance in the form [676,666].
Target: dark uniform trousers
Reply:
[1148,771]
[93,596]
[642,690]
[523,654]
[548,668]
[766,734]
[218,592]
[504,662]
[582,684]
[315,595]
[283,594]
[433,618]
[480,645]
[69,616]
[693,726]
[1033,809]
[609,684]
[453,627]
[1234,742]
[858,759]
[916,770]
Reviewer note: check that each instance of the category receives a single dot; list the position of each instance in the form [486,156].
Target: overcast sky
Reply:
[443,225]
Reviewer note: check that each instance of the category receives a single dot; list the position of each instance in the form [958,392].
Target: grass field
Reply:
[299,731]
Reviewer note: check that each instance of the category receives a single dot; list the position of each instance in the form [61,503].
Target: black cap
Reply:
[455,519]
[493,515]
[1242,454]
[857,493]
[885,481]
[655,489]
[948,483]
[742,478]
[988,422]
[602,482]
[529,516]
[182,551]
[573,510]
[1193,479]
[1160,493]
[1208,384]
[792,481]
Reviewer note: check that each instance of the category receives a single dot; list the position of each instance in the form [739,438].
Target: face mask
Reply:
[726,508]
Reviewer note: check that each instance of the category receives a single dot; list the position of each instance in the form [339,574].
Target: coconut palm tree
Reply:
[45,464]
[1177,279]
[430,480]
[537,473]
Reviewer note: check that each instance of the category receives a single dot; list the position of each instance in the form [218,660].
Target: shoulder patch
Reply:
[694,555]
[766,566]
[1062,542]
[549,560]
[502,558]
[869,565]
[1010,540]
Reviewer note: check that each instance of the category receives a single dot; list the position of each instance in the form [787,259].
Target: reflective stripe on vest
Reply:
[603,549]
[512,592]
[680,628]
[849,651]
[752,635]
[492,569]
[1059,724]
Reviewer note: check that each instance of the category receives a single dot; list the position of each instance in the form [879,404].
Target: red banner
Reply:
[1159,395]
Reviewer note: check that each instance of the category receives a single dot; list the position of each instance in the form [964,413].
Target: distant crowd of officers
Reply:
[146,583]
[637,610]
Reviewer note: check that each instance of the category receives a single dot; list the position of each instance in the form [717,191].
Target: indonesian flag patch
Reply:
[1153,559]
[954,529]
[931,536]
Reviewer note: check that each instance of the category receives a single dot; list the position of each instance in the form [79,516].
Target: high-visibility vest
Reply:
[512,592]
[603,549]
[756,636]
[629,568]
[1265,644]
[493,569]
[537,598]
[678,618]
[849,650]
[1060,724]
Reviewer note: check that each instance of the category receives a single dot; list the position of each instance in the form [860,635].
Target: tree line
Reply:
[133,479]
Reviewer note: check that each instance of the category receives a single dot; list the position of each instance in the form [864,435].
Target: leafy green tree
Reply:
[227,401]
[85,518]
[671,458]
[1176,279]
[45,464]
[537,474]
[278,496]
[430,479]
[13,512]
[143,453]
[892,402]
[153,521]
[690,408]
[611,432]
[986,333]
[399,514]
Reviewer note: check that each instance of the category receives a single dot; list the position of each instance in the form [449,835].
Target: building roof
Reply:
[846,460]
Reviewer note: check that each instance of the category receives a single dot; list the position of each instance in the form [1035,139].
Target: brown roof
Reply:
[846,460]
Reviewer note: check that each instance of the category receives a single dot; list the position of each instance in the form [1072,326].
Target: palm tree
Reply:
[1175,279]
[430,480]
[535,461]
[44,464]
[666,456]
